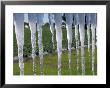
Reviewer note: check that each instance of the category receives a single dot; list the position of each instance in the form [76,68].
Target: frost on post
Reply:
[93,27]
[40,45]
[52,28]
[58,22]
[19,31]
[69,21]
[81,22]
[32,23]
[77,39]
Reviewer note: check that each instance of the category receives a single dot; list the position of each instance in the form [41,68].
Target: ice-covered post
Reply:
[58,24]
[69,21]
[88,30]
[76,38]
[40,45]
[19,31]
[52,28]
[93,27]
[32,23]
[81,21]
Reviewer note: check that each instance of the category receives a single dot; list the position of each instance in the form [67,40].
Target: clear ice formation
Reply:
[76,39]
[40,45]
[52,28]
[93,21]
[91,24]
[19,31]
[81,22]
[32,18]
[58,25]
[69,21]
[88,30]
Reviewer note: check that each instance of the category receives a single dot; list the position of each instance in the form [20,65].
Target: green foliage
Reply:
[27,42]
[15,48]
[46,39]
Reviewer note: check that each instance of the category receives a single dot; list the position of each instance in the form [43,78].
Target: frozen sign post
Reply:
[19,31]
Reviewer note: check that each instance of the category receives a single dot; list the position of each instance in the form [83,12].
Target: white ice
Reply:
[77,39]
[81,22]
[93,17]
[40,45]
[52,28]
[19,31]
[58,25]
[69,21]
[32,19]
[88,30]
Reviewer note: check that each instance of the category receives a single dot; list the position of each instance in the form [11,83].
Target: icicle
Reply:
[93,47]
[52,28]
[69,21]
[58,22]
[81,20]
[77,40]
[88,34]
[32,23]
[40,45]
[19,30]
[93,27]
[77,46]
[88,30]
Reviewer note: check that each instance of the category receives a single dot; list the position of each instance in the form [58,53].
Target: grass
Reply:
[50,65]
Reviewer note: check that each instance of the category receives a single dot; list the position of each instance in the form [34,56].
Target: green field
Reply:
[50,60]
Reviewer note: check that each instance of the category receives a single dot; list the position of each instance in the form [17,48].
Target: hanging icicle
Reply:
[58,24]
[32,23]
[81,21]
[52,28]
[93,27]
[77,40]
[19,31]
[88,31]
[40,45]
[69,21]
